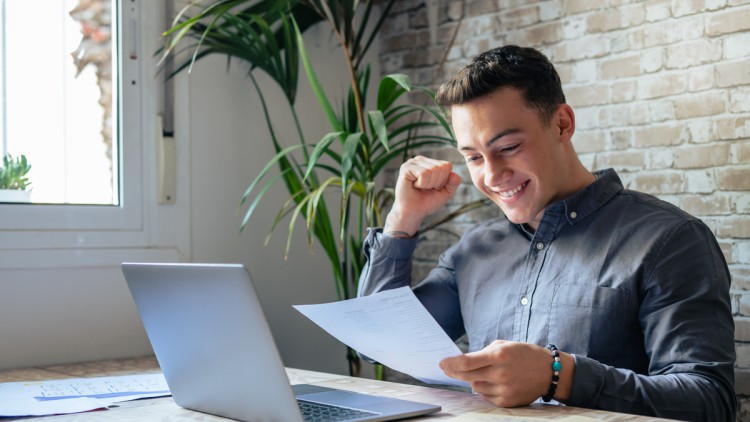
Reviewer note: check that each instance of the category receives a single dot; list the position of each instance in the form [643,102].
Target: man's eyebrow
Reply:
[494,139]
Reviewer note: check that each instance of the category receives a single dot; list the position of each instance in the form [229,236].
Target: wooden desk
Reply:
[454,403]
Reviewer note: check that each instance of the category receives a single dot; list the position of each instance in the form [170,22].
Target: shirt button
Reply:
[540,246]
[573,214]
[524,301]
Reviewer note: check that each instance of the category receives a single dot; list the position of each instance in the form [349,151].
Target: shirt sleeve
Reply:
[686,318]
[389,266]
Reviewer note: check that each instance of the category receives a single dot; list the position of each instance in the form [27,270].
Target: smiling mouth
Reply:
[513,192]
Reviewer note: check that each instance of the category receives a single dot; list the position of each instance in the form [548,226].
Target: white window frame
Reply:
[51,236]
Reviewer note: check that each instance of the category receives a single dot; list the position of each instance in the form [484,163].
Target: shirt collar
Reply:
[588,200]
[581,204]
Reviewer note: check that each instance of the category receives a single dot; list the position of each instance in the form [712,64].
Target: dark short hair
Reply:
[522,68]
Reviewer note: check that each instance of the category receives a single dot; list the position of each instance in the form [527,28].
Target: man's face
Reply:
[514,158]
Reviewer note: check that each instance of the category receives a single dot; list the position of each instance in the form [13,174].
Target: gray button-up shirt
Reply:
[635,288]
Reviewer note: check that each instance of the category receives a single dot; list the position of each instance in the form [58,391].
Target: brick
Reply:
[733,73]
[739,100]
[652,60]
[701,78]
[660,158]
[658,111]
[699,181]
[622,160]
[713,204]
[657,10]
[587,95]
[550,10]
[742,251]
[519,18]
[589,141]
[742,329]
[571,7]
[742,388]
[575,27]
[732,20]
[673,31]
[586,47]
[740,276]
[703,156]
[699,131]
[733,128]
[621,67]
[687,7]
[741,153]
[744,309]
[737,46]
[735,227]
[480,8]
[632,14]
[733,178]
[661,85]
[604,21]
[742,203]
[623,91]
[659,182]
[693,53]
[726,250]
[585,71]
[545,33]
[700,105]
[743,353]
[621,139]
[589,118]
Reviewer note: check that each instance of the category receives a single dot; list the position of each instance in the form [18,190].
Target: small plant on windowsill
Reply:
[14,181]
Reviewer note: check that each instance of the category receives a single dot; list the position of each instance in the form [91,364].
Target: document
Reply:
[36,398]
[391,327]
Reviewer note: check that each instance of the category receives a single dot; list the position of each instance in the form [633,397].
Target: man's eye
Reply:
[510,148]
[472,158]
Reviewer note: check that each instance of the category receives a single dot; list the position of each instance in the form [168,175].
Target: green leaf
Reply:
[391,88]
[377,123]
[315,82]
[320,148]
[348,156]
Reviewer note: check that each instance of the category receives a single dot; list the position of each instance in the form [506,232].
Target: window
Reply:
[108,227]
[56,81]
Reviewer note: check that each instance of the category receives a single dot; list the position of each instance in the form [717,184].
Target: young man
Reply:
[632,292]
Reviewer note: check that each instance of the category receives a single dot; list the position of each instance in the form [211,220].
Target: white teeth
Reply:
[512,192]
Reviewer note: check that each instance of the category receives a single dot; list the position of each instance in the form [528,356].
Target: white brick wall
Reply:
[661,90]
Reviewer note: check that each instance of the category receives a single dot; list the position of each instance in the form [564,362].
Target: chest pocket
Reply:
[589,320]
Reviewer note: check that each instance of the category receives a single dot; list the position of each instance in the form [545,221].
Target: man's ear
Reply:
[565,121]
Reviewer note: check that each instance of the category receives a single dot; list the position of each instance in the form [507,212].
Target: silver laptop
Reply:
[214,346]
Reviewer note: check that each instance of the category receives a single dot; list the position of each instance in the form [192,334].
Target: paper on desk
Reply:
[391,327]
[36,398]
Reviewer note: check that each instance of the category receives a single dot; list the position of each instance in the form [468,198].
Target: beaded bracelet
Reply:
[556,367]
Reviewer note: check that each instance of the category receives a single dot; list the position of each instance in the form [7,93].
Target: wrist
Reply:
[561,381]
[565,384]
[400,224]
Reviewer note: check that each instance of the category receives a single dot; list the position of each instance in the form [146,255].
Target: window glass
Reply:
[59,103]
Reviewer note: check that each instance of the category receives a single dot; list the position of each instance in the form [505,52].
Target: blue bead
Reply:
[556,366]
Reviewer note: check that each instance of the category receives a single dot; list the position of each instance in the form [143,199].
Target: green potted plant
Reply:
[365,136]
[14,181]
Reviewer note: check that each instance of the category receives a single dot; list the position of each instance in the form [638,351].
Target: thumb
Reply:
[454,181]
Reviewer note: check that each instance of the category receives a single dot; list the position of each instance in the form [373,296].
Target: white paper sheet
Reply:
[36,398]
[391,327]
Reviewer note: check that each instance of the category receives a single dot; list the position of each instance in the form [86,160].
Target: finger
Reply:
[434,174]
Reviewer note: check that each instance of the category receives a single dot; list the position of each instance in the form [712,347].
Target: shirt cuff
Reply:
[588,381]
[390,246]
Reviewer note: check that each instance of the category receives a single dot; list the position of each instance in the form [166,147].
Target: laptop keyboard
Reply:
[317,412]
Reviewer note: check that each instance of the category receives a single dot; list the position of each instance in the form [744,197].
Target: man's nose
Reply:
[496,173]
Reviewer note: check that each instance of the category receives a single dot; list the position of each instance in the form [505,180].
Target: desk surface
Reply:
[454,403]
